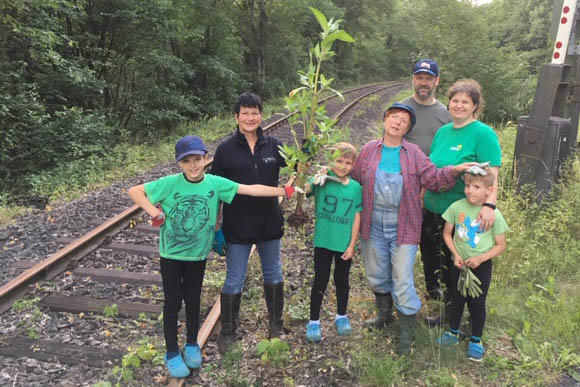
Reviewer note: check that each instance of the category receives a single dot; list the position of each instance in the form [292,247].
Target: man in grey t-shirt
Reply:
[431,115]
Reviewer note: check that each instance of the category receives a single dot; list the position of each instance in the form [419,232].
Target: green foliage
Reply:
[523,25]
[536,278]
[25,304]
[111,310]
[274,351]
[316,125]
[231,364]
[146,352]
[381,42]
[30,315]
[458,39]
[375,368]
[78,80]
[299,306]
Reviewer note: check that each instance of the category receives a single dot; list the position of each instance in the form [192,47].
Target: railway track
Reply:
[101,242]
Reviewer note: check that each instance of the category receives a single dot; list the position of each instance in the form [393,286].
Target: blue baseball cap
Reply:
[428,66]
[189,145]
[407,108]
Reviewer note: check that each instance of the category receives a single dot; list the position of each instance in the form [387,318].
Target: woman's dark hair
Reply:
[248,100]
[473,89]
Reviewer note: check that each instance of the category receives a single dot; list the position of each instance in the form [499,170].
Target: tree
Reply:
[316,125]
[457,36]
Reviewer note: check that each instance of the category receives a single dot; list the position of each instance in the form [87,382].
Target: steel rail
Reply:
[58,262]
[387,84]
[350,105]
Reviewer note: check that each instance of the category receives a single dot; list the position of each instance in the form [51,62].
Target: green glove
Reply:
[468,283]
[461,282]
[473,288]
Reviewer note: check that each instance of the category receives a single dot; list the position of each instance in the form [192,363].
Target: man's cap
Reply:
[407,108]
[428,66]
[189,145]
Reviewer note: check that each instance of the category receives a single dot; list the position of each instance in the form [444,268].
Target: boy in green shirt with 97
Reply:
[338,203]
[189,203]
[472,248]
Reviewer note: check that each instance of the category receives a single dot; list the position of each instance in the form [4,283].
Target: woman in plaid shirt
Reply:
[392,172]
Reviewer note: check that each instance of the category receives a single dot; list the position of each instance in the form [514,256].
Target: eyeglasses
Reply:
[402,118]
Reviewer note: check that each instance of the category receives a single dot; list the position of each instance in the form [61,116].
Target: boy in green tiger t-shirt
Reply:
[188,205]
[338,203]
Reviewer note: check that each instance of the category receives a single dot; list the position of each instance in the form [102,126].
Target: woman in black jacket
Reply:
[250,157]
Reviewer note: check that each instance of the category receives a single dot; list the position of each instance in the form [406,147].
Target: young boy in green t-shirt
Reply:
[472,248]
[338,203]
[187,215]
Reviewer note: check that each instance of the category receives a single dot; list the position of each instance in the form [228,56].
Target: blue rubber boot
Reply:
[448,339]
[475,351]
[176,366]
[192,356]
[313,333]
[343,327]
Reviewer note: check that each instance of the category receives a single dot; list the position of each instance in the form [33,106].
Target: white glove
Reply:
[321,179]
[478,169]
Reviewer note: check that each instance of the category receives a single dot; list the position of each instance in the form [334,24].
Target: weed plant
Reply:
[233,373]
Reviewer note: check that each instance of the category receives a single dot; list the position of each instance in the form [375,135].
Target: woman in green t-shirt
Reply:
[466,139]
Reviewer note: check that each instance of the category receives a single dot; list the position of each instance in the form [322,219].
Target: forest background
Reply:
[83,81]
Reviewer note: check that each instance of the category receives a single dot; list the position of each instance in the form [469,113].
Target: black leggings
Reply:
[182,280]
[322,263]
[476,306]
[435,255]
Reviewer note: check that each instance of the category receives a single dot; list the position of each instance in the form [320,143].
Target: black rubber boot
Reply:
[385,310]
[230,309]
[274,295]
[407,325]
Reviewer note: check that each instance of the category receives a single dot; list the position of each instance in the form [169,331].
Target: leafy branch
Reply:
[305,100]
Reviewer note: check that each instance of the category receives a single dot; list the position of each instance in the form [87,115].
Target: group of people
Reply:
[429,181]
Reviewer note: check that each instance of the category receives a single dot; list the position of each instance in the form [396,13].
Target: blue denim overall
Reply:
[389,266]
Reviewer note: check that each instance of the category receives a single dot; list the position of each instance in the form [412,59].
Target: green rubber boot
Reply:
[407,326]
[384,315]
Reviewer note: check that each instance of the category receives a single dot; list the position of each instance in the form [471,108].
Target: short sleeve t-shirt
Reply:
[429,119]
[336,205]
[191,212]
[469,239]
[452,146]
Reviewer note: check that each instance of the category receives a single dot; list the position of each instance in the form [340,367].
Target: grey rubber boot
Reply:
[274,295]
[230,309]
[407,326]
[385,310]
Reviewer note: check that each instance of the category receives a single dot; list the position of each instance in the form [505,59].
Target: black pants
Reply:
[182,280]
[322,263]
[476,306]
[435,255]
